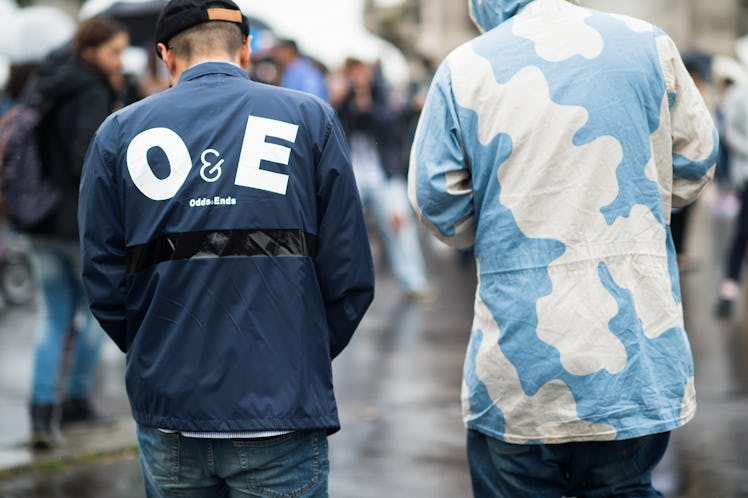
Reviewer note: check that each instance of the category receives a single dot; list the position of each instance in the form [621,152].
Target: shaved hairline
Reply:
[207,38]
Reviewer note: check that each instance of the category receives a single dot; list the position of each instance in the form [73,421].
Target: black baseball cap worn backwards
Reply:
[180,15]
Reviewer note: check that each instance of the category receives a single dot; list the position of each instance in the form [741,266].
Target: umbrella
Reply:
[28,34]
[139,16]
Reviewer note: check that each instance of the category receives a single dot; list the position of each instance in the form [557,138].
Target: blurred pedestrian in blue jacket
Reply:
[299,72]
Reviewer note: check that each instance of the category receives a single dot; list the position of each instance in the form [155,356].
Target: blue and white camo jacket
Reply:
[557,143]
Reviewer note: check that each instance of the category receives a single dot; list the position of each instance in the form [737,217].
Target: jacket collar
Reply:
[212,67]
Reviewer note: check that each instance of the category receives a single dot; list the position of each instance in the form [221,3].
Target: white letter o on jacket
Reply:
[141,173]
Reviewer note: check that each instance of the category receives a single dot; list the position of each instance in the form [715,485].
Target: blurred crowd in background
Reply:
[378,111]
[379,114]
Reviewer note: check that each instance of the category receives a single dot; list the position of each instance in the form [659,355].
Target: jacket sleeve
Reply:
[695,138]
[440,180]
[102,239]
[344,265]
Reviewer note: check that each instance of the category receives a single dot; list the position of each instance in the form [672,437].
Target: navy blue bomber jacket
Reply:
[224,250]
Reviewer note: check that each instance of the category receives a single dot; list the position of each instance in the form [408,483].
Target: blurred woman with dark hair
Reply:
[77,88]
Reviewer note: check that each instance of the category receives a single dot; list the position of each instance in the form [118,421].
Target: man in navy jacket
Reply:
[224,250]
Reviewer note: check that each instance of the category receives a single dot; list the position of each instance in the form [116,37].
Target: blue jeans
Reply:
[389,199]
[294,465]
[584,470]
[62,309]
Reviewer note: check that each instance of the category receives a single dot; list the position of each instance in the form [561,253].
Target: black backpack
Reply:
[27,196]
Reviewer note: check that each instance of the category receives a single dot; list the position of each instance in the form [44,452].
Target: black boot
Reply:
[43,436]
[80,411]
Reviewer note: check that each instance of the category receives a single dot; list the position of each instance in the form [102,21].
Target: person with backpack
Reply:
[75,90]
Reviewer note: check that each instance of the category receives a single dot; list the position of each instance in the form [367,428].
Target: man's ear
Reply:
[162,50]
[167,57]
[245,53]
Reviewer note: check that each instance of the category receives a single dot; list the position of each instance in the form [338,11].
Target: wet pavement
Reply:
[398,390]
[707,457]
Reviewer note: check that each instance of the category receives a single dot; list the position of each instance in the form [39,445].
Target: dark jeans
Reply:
[291,466]
[609,469]
[739,239]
